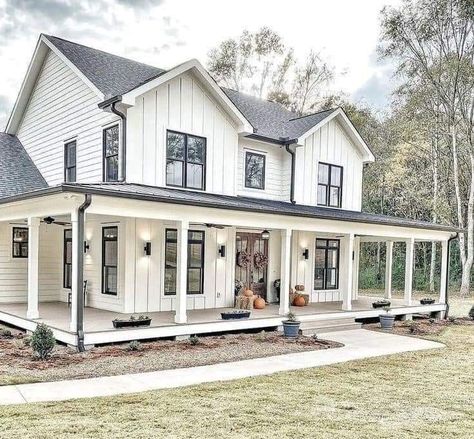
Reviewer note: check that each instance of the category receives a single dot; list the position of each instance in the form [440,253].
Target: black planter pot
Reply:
[427,301]
[381,304]
[130,323]
[234,315]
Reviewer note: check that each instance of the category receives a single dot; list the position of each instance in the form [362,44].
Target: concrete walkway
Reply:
[358,344]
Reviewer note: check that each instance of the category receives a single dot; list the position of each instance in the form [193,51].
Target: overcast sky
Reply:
[167,32]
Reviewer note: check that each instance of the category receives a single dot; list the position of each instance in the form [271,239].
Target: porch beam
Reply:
[33,268]
[409,258]
[444,271]
[182,272]
[347,287]
[388,269]
[285,271]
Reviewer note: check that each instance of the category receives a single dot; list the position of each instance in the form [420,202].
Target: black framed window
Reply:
[326,264]
[329,185]
[67,259]
[195,281]
[70,162]
[185,160]
[109,260]
[20,242]
[254,170]
[110,139]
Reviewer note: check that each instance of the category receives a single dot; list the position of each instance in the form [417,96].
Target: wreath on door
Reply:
[260,260]
[243,259]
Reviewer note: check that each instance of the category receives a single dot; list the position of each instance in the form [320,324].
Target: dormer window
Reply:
[110,139]
[254,170]
[185,160]
[329,185]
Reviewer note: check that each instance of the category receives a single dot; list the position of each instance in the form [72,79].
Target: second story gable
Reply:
[88,116]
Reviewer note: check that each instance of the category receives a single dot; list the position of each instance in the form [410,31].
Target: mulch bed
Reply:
[17,362]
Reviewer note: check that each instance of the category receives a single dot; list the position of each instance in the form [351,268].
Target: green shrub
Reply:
[134,345]
[42,341]
[194,340]
[4,332]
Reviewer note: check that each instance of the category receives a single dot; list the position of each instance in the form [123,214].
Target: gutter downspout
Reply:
[123,144]
[293,163]
[80,272]
[447,273]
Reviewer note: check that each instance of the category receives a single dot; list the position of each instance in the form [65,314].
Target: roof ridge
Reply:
[314,114]
[259,99]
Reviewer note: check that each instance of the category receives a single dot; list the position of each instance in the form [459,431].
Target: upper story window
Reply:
[70,162]
[329,185]
[254,170]
[110,139]
[109,260]
[20,242]
[185,160]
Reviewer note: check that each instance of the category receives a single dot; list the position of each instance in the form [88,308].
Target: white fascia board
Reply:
[29,81]
[195,66]
[351,130]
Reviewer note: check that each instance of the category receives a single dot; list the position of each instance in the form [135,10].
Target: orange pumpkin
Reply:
[259,303]
[299,301]
[248,293]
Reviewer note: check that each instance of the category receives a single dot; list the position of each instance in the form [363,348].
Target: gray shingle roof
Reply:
[113,75]
[18,174]
[249,204]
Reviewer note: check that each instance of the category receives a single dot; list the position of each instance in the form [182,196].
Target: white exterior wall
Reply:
[329,144]
[14,271]
[183,105]
[62,107]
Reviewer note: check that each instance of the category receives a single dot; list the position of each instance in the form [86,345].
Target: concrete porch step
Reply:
[309,328]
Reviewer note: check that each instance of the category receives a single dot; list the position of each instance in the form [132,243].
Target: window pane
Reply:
[194,176]
[194,254]
[334,196]
[321,243]
[68,234]
[196,149]
[111,171]
[111,140]
[110,278]
[322,195]
[320,258]
[335,176]
[110,232]
[20,242]
[171,255]
[194,280]
[67,276]
[110,253]
[71,154]
[332,258]
[319,278]
[254,170]
[333,243]
[171,234]
[323,174]
[331,281]
[68,252]
[194,235]
[70,175]
[174,173]
[170,281]
[175,146]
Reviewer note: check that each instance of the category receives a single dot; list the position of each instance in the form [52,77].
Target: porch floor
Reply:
[57,314]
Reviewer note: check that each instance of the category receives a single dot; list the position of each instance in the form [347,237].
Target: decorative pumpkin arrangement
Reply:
[299,287]
[299,301]
[243,259]
[259,303]
[260,260]
[248,292]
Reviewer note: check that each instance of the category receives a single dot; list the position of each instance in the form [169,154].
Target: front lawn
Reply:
[426,394]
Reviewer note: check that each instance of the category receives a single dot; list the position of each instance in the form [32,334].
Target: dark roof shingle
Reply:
[18,173]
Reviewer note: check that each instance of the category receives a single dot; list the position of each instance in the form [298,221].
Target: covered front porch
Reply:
[122,247]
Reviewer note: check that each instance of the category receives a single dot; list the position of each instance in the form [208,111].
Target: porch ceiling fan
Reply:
[51,220]
[216,226]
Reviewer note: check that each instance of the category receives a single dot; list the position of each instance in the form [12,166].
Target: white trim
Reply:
[194,65]
[355,136]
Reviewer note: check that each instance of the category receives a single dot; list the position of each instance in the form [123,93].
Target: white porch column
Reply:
[76,247]
[285,271]
[444,271]
[33,268]
[388,269]
[347,285]
[409,257]
[181,272]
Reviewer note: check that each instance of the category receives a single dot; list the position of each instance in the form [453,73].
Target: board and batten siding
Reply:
[277,170]
[62,107]
[181,104]
[329,144]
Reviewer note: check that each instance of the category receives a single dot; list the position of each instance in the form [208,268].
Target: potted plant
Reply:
[132,321]
[381,303]
[387,319]
[427,301]
[235,314]
[291,326]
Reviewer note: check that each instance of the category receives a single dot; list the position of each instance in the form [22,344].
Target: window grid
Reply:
[109,270]
[322,273]
[20,242]
[67,259]
[70,160]
[254,179]
[110,144]
[325,188]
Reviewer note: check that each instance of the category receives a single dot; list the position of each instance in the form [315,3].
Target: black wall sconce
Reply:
[306,253]
[221,251]
[86,246]
[147,248]
[265,235]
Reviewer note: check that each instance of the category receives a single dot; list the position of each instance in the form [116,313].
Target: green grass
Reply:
[414,395]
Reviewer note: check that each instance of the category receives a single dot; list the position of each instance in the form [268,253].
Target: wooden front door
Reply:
[246,270]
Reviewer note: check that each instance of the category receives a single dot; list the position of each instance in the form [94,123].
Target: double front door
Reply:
[252,274]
